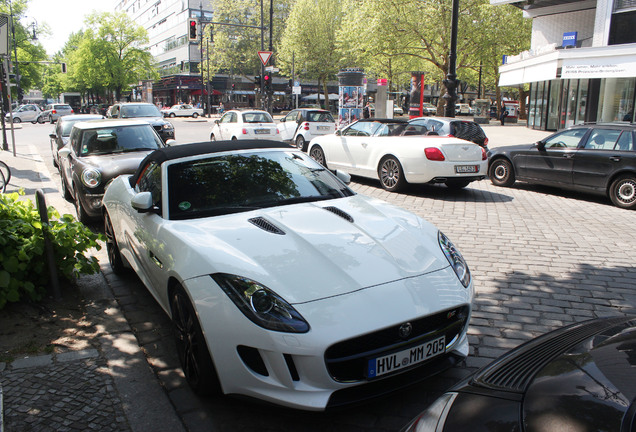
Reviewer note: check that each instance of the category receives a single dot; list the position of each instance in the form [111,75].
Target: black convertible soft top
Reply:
[161,155]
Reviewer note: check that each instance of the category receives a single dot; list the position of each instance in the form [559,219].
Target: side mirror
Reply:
[64,152]
[52,136]
[142,202]
[540,145]
[338,132]
[343,176]
[283,120]
[171,142]
[216,121]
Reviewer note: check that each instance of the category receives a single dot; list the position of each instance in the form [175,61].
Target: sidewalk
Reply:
[107,388]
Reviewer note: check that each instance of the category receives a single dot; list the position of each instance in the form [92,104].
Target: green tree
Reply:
[309,41]
[111,52]
[235,49]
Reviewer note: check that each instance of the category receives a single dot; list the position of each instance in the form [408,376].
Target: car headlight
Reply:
[261,305]
[168,126]
[433,419]
[456,260]
[91,177]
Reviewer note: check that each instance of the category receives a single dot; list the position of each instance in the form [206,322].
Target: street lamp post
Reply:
[451,81]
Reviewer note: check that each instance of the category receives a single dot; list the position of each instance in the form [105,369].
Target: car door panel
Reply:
[600,156]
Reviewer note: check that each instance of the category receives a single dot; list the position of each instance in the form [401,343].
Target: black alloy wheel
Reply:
[318,155]
[114,256]
[502,173]
[622,192]
[391,174]
[82,216]
[192,349]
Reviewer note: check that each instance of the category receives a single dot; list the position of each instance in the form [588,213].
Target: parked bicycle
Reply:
[5,176]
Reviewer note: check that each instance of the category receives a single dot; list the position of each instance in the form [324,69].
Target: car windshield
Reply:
[257,117]
[233,183]
[320,116]
[67,125]
[135,111]
[119,139]
[390,129]
[62,107]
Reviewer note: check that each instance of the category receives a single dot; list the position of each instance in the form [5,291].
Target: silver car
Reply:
[52,112]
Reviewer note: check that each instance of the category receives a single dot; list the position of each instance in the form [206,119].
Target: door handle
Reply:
[364,145]
[615,158]
[568,155]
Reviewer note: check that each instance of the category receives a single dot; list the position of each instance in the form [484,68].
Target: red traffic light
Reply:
[266,77]
[192,29]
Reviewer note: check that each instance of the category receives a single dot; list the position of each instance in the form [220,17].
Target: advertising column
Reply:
[416,101]
[350,96]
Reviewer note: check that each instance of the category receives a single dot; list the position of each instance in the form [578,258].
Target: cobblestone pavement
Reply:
[66,392]
[541,258]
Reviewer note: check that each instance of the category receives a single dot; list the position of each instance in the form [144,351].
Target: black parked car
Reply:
[97,152]
[579,378]
[145,111]
[596,158]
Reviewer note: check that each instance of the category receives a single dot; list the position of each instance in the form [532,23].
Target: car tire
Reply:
[114,256]
[17,120]
[192,349]
[457,184]
[51,120]
[501,173]
[212,137]
[40,120]
[195,115]
[172,115]
[622,191]
[66,192]
[318,155]
[234,138]
[301,144]
[82,216]
[391,174]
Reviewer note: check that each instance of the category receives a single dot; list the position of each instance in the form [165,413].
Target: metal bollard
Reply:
[50,257]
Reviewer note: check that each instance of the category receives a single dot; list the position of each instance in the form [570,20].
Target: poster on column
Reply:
[350,102]
[416,97]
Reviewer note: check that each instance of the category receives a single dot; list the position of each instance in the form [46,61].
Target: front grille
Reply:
[515,370]
[347,360]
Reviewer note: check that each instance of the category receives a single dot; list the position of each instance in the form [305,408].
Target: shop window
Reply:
[622,28]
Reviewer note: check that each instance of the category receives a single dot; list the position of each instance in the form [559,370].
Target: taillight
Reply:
[244,131]
[434,154]
[484,155]
[451,136]
[486,142]
[72,111]
[305,125]
[53,112]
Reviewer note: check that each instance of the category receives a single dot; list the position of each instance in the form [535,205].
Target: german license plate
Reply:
[392,362]
[466,169]
[261,131]
[323,128]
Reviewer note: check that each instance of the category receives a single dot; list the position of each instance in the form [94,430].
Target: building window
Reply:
[622,28]
[616,99]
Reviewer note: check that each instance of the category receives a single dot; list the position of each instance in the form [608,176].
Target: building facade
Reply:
[166,22]
[582,63]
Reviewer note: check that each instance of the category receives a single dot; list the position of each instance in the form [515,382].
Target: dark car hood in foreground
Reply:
[580,378]
[511,149]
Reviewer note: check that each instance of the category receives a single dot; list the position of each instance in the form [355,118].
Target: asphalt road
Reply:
[540,257]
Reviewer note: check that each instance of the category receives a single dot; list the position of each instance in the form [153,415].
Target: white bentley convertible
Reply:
[282,283]
[397,153]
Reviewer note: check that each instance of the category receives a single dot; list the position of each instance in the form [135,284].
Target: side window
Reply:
[357,129]
[567,139]
[150,181]
[602,139]
[625,142]
[435,126]
[75,141]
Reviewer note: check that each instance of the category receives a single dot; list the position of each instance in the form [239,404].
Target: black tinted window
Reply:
[469,131]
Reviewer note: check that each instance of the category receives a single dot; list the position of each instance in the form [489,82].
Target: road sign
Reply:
[4,34]
[296,90]
[264,56]
[272,69]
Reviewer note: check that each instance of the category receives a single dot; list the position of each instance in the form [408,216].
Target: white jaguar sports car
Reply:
[282,283]
[397,152]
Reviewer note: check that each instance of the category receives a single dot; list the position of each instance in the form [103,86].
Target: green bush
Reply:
[24,271]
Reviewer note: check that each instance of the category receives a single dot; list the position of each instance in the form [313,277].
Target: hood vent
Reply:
[266,225]
[342,214]
[514,371]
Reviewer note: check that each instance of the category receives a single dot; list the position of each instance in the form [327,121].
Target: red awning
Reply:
[205,92]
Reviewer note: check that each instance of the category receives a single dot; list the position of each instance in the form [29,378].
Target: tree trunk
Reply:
[326,91]
[522,102]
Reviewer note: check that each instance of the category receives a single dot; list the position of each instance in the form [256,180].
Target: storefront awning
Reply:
[616,61]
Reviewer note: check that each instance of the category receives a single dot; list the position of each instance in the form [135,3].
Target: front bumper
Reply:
[297,370]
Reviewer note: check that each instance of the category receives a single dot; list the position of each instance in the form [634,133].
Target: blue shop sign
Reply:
[569,39]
